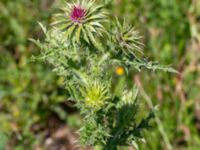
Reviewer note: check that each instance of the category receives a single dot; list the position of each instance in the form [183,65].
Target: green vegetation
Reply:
[31,95]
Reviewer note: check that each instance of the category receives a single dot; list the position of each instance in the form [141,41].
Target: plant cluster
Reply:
[86,46]
[22,105]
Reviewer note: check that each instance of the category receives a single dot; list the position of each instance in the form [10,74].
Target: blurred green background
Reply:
[34,111]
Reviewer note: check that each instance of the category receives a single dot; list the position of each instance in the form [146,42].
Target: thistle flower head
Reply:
[127,38]
[95,94]
[80,20]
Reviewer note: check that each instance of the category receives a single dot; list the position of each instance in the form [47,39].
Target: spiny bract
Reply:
[95,94]
[80,20]
[127,38]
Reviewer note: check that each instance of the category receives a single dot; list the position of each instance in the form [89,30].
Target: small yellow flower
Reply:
[119,71]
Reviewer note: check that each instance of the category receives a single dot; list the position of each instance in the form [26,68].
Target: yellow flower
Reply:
[119,71]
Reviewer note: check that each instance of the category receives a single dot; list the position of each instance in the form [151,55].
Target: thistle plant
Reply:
[86,46]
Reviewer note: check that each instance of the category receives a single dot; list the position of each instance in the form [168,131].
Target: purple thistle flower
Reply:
[77,14]
[81,21]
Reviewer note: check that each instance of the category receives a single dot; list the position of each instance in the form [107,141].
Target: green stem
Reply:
[158,121]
